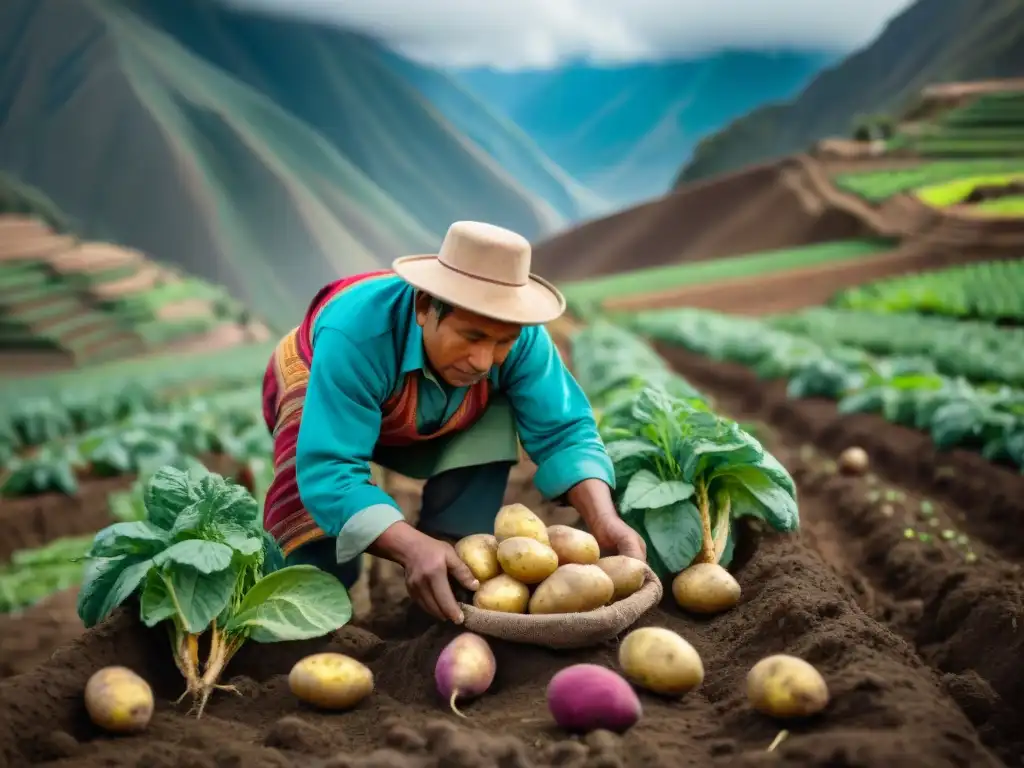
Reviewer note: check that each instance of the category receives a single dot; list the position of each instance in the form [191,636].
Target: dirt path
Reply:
[965,620]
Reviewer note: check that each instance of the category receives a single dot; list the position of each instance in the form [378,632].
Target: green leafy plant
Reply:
[684,474]
[201,563]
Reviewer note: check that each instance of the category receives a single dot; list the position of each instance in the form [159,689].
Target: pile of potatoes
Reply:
[528,567]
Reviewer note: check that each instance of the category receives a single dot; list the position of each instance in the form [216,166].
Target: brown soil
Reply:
[757,209]
[796,288]
[29,637]
[962,619]
[919,652]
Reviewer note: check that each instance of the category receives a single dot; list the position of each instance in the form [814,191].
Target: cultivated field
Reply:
[900,332]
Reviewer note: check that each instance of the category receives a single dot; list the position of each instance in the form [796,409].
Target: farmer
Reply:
[432,370]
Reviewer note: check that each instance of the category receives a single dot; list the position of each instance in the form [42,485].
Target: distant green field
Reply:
[155,370]
[954,192]
[1004,206]
[654,279]
[877,186]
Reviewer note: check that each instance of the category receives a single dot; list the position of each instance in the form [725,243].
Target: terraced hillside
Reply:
[67,303]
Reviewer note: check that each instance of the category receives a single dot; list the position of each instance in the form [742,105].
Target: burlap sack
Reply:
[567,630]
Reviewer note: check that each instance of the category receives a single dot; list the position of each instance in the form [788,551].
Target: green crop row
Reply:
[877,186]
[642,281]
[230,424]
[978,351]
[956,191]
[992,290]
[905,390]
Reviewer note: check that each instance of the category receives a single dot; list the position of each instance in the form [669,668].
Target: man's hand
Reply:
[616,536]
[427,563]
[592,498]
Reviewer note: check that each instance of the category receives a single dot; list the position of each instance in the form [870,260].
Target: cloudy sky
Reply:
[539,33]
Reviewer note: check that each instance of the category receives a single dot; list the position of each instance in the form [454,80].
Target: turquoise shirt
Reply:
[363,346]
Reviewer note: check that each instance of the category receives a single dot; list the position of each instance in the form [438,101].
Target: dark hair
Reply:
[442,308]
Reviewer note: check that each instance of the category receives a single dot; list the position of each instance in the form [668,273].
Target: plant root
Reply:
[451,703]
[200,688]
[707,546]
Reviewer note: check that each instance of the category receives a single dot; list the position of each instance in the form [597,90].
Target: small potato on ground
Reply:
[661,661]
[502,593]
[853,461]
[573,545]
[518,520]
[526,559]
[480,554]
[784,686]
[627,574]
[572,588]
[330,681]
[586,697]
[118,700]
[705,588]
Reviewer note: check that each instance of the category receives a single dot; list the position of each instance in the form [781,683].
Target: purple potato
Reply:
[586,697]
[464,669]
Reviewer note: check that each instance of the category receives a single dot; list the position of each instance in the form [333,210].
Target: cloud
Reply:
[540,33]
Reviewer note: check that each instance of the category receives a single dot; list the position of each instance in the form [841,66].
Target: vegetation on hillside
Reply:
[933,41]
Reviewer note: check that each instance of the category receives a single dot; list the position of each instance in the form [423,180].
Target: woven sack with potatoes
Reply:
[548,586]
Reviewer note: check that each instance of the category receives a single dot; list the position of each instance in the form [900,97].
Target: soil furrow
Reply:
[884,535]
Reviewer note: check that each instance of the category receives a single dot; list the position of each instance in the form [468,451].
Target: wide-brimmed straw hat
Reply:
[484,269]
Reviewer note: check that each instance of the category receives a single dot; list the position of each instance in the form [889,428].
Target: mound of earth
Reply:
[758,209]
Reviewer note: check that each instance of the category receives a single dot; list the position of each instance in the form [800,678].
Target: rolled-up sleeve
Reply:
[340,426]
[555,421]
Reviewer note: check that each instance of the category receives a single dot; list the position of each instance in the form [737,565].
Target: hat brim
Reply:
[535,303]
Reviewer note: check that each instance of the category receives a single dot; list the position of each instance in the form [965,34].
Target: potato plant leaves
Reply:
[675,460]
[202,561]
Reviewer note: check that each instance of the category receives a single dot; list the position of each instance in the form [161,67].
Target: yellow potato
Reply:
[661,661]
[502,593]
[784,686]
[573,588]
[330,681]
[854,461]
[480,553]
[527,560]
[118,700]
[705,588]
[626,573]
[517,520]
[573,545]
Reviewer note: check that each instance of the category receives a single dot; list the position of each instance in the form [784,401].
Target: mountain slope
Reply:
[290,156]
[624,130]
[338,84]
[500,138]
[932,41]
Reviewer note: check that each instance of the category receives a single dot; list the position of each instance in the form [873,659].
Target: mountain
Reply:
[263,154]
[932,41]
[624,130]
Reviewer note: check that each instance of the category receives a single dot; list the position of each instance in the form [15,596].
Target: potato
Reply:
[527,560]
[705,588]
[464,669]
[586,697]
[626,573]
[517,520]
[480,553]
[118,700]
[784,686]
[330,681]
[854,461]
[573,588]
[573,545]
[502,593]
[661,661]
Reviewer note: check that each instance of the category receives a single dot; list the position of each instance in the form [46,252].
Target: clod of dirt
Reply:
[57,745]
[405,739]
[169,756]
[854,461]
[602,741]
[295,734]
[973,695]
[568,754]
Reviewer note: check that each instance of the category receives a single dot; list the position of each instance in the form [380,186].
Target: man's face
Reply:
[463,347]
